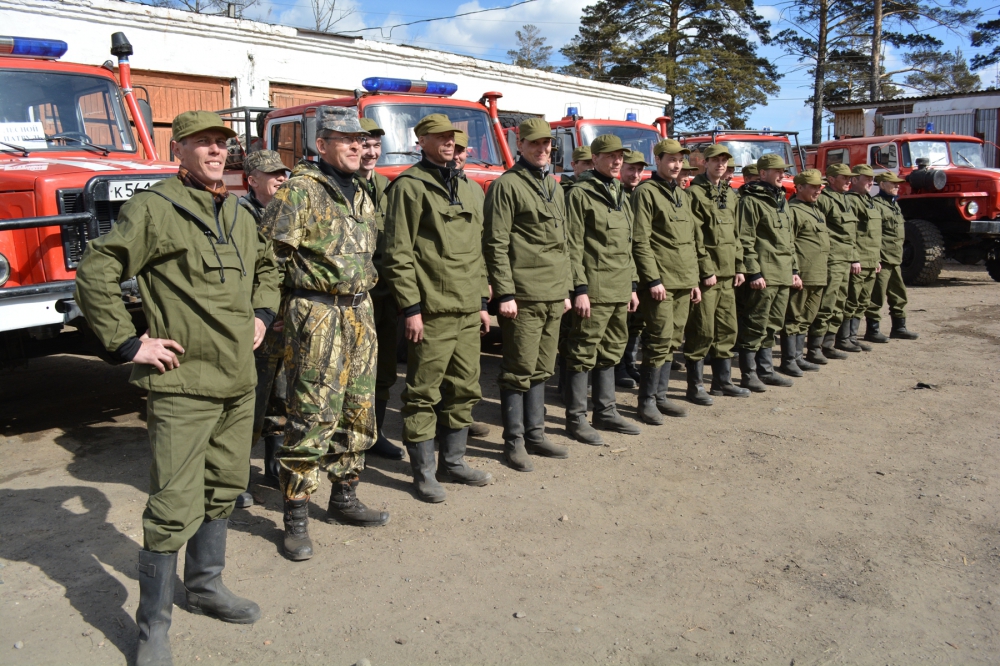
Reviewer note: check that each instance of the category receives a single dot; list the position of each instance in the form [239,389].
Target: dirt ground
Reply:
[851,519]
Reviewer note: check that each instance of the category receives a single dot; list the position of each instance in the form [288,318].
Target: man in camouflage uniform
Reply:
[889,282]
[434,263]
[869,245]
[527,259]
[626,372]
[323,226]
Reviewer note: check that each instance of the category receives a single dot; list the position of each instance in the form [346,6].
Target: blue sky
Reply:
[490,35]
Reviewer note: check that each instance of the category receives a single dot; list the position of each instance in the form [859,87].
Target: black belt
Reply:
[344,301]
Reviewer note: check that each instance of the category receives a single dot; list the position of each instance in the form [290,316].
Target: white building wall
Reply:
[254,54]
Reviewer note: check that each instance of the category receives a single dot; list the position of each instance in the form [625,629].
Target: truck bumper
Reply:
[991,227]
[34,305]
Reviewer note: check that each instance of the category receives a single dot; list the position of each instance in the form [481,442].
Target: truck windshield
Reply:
[47,111]
[633,138]
[399,145]
[967,154]
[936,152]
[748,152]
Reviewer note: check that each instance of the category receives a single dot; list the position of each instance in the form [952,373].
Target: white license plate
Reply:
[120,190]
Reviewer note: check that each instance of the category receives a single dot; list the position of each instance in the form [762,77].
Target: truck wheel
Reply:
[923,252]
[993,261]
[509,120]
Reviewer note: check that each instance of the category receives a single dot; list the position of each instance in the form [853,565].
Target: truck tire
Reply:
[509,120]
[923,252]
[993,261]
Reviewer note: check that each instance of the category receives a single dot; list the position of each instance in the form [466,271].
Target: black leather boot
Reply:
[606,416]
[156,602]
[298,545]
[622,378]
[800,360]
[765,369]
[204,560]
[748,371]
[451,461]
[789,366]
[695,384]
[479,430]
[271,466]
[647,409]
[576,410]
[855,328]
[535,441]
[345,507]
[830,348]
[722,380]
[899,331]
[422,463]
[872,334]
[512,412]
[631,354]
[814,354]
[663,403]
[844,338]
[383,448]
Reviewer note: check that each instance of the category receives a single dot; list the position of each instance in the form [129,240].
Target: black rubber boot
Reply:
[451,461]
[383,448]
[765,369]
[647,409]
[271,467]
[830,348]
[663,403]
[606,416]
[204,560]
[788,351]
[479,430]
[535,441]
[800,360]
[844,338]
[748,371]
[815,350]
[422,463]
[631,354]
[677,362]
[899,331]
[576,410]
[298,545]
[722,380]
[872,334]
[512,412]
[696,386]
[563,386]
[622,378]
[156,602]
[244,500]
[345,507]
[855,328]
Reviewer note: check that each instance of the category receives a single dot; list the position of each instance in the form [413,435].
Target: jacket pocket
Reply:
[461,236]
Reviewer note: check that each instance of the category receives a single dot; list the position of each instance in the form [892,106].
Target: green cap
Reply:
[461,139]
[192,122]
[534,129]
[715,150]
[436,123]
[582,154]
[370,126]
[731,164]
[839,169]
[687,167]
[750,170]
[862,170]
[266,161]
[771,161]
[889,177]
[670,147]
[809,177]
[606,143]
[635,157]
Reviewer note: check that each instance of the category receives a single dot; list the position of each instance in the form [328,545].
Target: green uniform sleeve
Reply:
[642,254]
[856,204]
[576,222]
[265,281]
[734,201]
[747,216]
[402,220]
[498,217]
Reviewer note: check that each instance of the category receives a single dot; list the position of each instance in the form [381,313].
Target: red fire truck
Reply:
[746,146]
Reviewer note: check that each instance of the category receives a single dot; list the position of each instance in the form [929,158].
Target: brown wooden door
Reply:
[284,95]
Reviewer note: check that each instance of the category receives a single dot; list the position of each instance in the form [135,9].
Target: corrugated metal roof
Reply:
[907,100]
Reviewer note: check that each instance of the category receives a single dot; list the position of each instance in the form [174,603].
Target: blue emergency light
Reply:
[33,48]
[929,128]
[631,117]
[382,84]
[572,111]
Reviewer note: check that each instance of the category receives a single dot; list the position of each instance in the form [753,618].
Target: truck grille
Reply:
[76,236]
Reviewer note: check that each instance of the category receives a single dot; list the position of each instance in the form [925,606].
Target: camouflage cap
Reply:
[370,126]
[606,143]
[862,170]
[534,129]
[838,170]
[750,170]
[339,119]
[771,161]
[461,139]
[716,150]
[889,177]
[670,147]
[435,123]
[582,154]
[266,161]
[192,122]
[635,157]
[809,177]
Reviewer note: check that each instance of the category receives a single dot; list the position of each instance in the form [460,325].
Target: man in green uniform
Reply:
[842,222]
[323,226]
[209,291]
[750,175]
[771,268]
[812,249]
[869,244]
[626,372]
[711,327]
[688,173]
[434,263]
[599,222]
[582,160]
[666,250]
[527,259]
[889,282]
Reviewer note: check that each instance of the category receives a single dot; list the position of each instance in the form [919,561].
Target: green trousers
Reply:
[888,286]
[330,370]
[443,368]
[530,342]
[803,305]
[385,313]
[269,404]
[200,463]
[859,293]
[831,307]
[763,315]
[599,340]
[665,321]
[711,326]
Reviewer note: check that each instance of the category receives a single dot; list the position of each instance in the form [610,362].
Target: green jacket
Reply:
[766,234]
[433,256]
[322,242]
[202,272]
[525,242]
[667,247]
[812,242]
[842,222]
[252,205]
[893,230]
[714,209]
[376,187]
[869,229]
[599,222]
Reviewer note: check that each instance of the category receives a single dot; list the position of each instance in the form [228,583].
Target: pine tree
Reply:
[939,72]
[531,51]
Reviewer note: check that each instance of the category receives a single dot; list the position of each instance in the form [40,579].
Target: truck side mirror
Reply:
[147,115]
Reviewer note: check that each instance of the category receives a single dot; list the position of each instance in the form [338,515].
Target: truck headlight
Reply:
[972,208]
[4,270]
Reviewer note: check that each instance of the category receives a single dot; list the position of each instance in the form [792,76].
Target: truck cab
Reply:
[746,147]
[574,130]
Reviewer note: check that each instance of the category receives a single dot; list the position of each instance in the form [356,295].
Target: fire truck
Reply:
[69,160]
[746,147]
